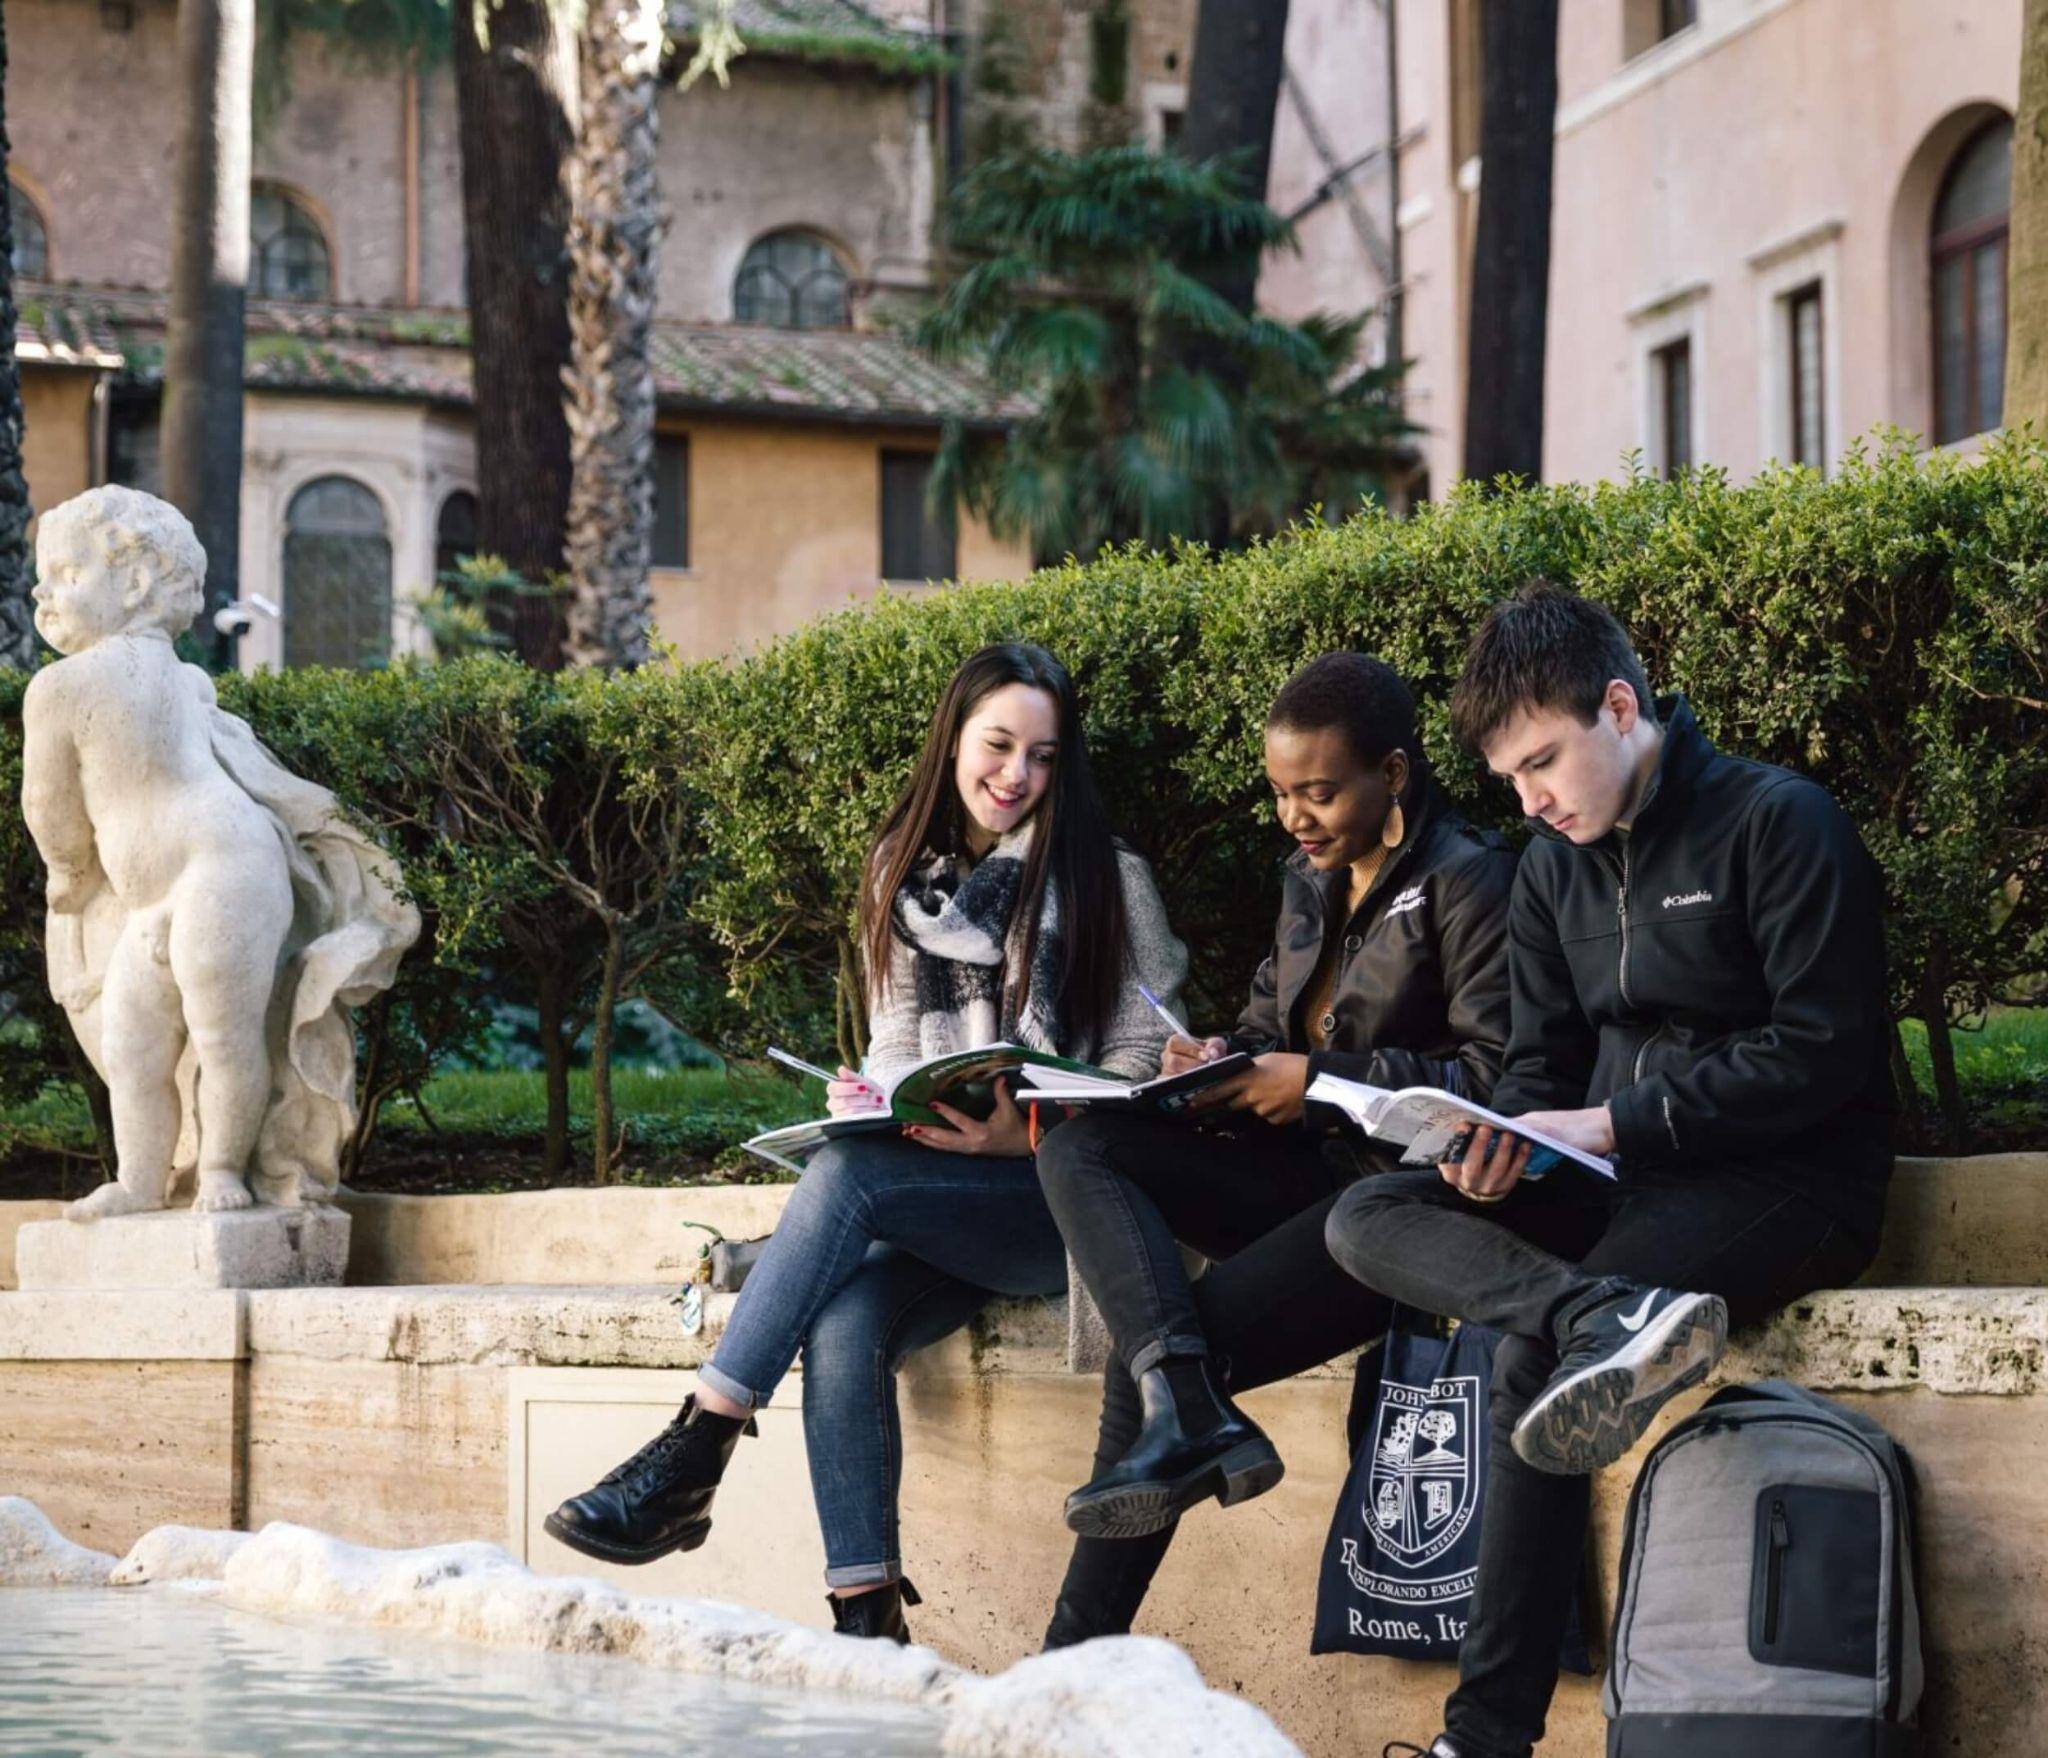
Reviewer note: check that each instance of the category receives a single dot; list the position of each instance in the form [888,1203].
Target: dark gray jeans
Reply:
[1518,1265]
[1125,1190]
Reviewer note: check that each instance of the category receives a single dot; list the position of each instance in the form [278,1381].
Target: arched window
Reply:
[792,280]
[31,241]
[1967,259]
[454,532]
[287,249]
[337,576]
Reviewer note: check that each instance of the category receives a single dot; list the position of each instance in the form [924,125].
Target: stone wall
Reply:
[409,1416]
[401,1415]
[841,151]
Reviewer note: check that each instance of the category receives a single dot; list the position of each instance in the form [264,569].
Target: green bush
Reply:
[692,834]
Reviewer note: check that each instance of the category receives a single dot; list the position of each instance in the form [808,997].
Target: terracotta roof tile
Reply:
[419,354]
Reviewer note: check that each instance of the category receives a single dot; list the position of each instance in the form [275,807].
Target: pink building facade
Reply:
[1778,224]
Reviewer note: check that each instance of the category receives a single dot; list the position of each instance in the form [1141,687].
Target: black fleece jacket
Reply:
[1421,990]
[1716,978]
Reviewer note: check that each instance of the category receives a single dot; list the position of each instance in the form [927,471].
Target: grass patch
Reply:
[686,1110]
[2002,1067]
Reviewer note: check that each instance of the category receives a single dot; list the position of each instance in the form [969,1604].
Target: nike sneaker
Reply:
[1620,1361]
[1440,1747]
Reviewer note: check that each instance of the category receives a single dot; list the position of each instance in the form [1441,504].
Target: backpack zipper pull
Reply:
[1774,1577]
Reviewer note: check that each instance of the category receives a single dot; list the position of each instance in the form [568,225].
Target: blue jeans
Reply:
[885,1247]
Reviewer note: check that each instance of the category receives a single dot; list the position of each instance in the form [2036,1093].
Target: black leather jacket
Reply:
[1717,980]
[1421,990]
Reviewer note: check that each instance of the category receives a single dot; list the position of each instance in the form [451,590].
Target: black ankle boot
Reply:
[876,1615]
[660,1499]
[1195,1443]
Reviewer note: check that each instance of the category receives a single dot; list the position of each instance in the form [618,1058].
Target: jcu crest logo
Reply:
[1423,1488]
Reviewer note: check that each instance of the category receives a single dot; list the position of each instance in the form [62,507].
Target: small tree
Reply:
[1160,410]
[576,783]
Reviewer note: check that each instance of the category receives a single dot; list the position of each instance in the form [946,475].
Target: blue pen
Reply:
[1152,1001]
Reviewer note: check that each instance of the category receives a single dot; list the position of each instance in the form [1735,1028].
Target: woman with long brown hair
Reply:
[995,906]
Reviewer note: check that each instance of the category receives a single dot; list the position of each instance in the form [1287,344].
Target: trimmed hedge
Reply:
[692,834]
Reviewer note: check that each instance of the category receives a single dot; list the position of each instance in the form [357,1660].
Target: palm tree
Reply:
[516,102]
[614,238]
[1509,322]
[202,405]
[1159,409]
[17,629]
[2026,369]
[1233,96]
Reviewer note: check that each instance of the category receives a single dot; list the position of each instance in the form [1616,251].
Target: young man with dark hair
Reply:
[1696,959]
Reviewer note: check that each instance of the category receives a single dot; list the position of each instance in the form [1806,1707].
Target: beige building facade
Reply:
[1778,226]
[801,207]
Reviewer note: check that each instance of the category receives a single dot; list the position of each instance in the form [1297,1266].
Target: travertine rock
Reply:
[212,917]
[178,1553]
[33,1553]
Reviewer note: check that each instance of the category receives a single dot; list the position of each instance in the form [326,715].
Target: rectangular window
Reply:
[671,500]
[1674,16]
[1672,365]
[1807,377]
[915,545]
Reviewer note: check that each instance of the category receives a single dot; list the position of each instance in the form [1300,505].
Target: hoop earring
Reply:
[1395,828]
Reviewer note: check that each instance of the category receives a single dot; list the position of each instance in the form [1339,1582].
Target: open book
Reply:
[1433,1125]
[1165,1095]
[963,1079]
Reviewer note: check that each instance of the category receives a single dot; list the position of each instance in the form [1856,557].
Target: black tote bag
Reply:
[1403,1550]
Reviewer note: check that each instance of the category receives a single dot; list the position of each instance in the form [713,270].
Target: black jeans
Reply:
[1125,1190]
[1519,1266]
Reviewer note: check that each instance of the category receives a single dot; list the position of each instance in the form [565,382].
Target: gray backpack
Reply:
[1767,1603]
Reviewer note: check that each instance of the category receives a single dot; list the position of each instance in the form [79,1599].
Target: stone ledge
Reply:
[137,1324]
[1975,1222]
[260,1247]
[1961,1340]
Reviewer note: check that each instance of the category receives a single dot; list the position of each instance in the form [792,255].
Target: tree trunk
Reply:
[614,237]
[2026,353]
[1511,248]
[1904,1087]
[551,1005]
[201,425]
[1941,1050]
[601,1145]
[17,619]
[1233,95]
[516,102]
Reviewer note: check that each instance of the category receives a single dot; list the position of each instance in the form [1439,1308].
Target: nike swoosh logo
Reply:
[1634,1321]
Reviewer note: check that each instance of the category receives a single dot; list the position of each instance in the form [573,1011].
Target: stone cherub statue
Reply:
[212,917]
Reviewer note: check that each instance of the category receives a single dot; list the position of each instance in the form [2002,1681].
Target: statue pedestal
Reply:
[175,1248]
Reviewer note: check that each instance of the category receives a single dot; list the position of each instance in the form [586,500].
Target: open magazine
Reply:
[963,1079]
[1433,1124]
[1164,1096]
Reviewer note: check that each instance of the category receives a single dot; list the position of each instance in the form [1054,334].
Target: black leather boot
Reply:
[876,1615]
[660,1499]
[1195,1443]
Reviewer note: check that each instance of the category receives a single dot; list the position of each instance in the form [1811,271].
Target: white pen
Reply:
[1152,1001]
[803,1067]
